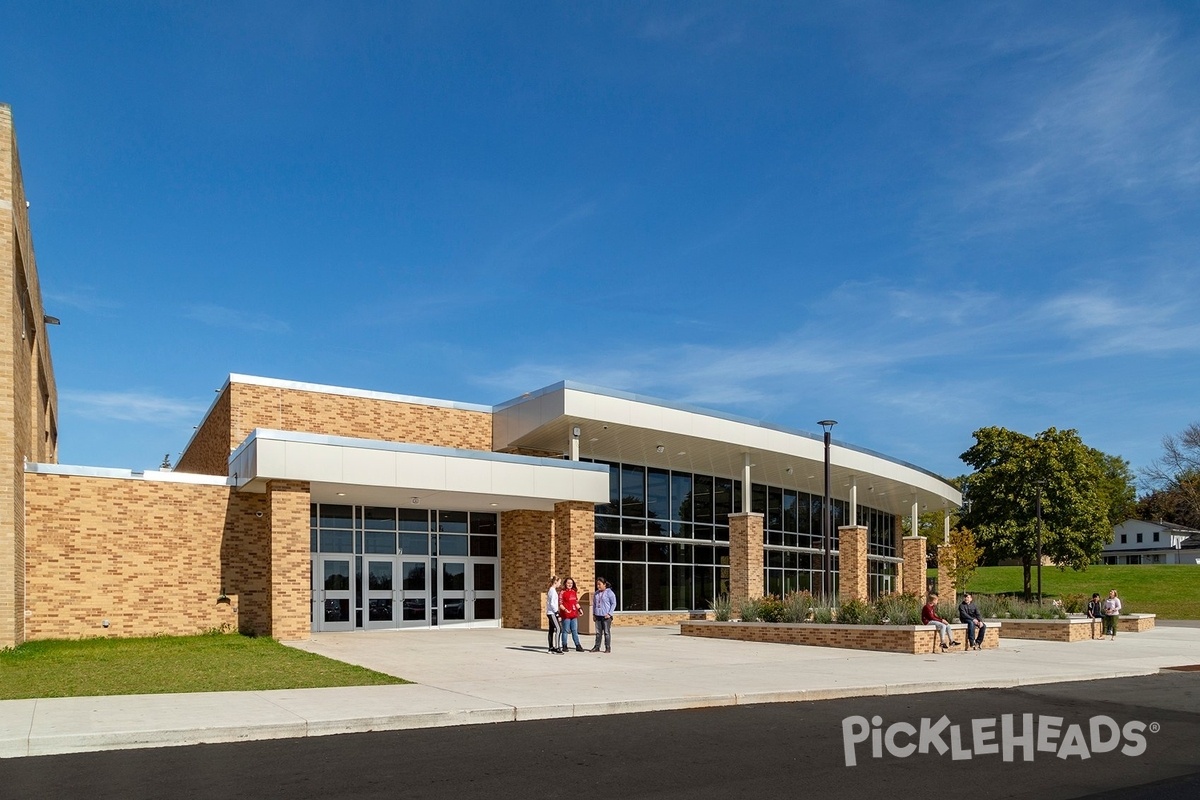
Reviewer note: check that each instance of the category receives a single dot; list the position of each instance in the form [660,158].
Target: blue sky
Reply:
[917,219]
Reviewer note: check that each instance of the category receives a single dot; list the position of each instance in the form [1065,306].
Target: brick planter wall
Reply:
[1135,623]
[1075,629]
[914,639]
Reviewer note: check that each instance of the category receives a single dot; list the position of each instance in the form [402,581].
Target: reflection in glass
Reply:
[633,587]
[379,576]
[414,609]
[412,519]
[412,575]
[379,610]
[485,577]
[336,516]
[379,519]
[337,542]
[337,576]
[452,521]
[454,576]
[454,609]
[337,610]
[452,545]
[414,544]
[377,542]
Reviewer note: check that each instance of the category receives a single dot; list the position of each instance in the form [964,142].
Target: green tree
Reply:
[1077,485]
[967,555]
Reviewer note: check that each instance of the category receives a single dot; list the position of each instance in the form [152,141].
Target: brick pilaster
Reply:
[852,563]
[290,564]
[913,569]
[946,588]
[526,564]
[745,556]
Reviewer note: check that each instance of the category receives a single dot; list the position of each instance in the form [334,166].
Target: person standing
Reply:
[1112,610]
[968,613]
[604,603]
[568,610]
[552,612]
[1095,611]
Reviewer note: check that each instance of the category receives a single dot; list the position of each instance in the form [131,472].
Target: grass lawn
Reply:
[166,664]
[1170,590]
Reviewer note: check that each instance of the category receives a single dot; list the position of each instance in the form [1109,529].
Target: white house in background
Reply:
[1137,541]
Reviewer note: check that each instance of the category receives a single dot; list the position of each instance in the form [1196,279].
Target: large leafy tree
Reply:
[1080,490]
[1175,480]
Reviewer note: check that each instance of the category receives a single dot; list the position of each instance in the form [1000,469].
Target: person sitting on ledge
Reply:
[968,613]
[929,616]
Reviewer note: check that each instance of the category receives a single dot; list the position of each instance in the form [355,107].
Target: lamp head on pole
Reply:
[827,424]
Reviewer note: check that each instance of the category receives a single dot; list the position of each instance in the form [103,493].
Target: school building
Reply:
[300,507]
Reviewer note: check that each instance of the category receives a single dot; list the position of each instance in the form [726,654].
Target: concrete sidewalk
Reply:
[485,676]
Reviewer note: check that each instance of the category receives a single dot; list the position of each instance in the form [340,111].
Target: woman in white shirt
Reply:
[1112,610]
[552,612]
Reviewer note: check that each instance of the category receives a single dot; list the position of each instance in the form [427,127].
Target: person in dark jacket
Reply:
[1095,611]
[968,613]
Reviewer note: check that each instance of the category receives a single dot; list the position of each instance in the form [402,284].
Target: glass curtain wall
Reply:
[663,538]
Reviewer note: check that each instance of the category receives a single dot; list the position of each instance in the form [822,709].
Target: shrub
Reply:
[797,607]
[857,612]
[899,609]
[748,609]
[822,614]
[1074,603]
[721,607]
[771,609]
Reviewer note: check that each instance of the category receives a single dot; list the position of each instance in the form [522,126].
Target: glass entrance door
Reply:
[333,593]
[468,592]
[414,593]
[380,592]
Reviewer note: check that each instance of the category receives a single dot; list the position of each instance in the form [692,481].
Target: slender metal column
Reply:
[827,519]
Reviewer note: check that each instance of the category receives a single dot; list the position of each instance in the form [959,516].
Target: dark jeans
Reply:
[974,634]
[603,631]
[553,630]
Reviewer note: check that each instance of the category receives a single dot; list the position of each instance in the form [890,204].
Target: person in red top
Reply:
[568,611]
[929,616]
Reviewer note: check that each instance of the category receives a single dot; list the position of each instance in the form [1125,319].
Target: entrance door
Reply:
[381,592]
[414,593]
[468,592]
[333,593]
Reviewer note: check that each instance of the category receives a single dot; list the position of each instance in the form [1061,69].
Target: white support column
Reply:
[574,452]
[946,531]
[916,518]
[745,482]
[853,501]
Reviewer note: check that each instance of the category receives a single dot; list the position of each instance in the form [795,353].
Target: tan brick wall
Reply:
[910,639]
[526,564]
[575,551]
[151,557]
[745,556]
[208,451]
[1135,623]
[946,588]
[913,568]
[852,562]
[291,563]
[28,394]
[1048,630]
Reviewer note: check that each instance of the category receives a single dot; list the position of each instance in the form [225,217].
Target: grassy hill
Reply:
[1170,590]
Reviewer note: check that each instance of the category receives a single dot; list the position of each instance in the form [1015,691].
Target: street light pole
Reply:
[1039,541]
[826,519]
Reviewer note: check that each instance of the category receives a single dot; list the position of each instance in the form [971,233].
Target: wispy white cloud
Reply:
[142,407]
[83,300]
[222,317]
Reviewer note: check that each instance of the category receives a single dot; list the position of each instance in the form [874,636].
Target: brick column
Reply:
[290,564]
[745,557]
[575,552]
[852,563]
[526,564]
[913,569]
[946,589]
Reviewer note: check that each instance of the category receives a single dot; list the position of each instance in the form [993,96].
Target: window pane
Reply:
[681,587]
[412,519]
[337,542]
[485,577]
[379,576]
[452,545]
[658,587]
[774,520]
[758,498]
[485,546]
[483,523]
[454,576]
[608,550]
[452,521]
[789,511]
[723,507]
[633,551]
[633,588]
[377,542]
[702,499]
[608,524]
[613,506]
[658,551]
[658,494]
[633,491]
[414,544]
[705,589]
[379,519]
[681,496]
[336,516]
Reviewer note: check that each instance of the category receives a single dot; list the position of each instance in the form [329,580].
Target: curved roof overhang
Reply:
[616,426]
